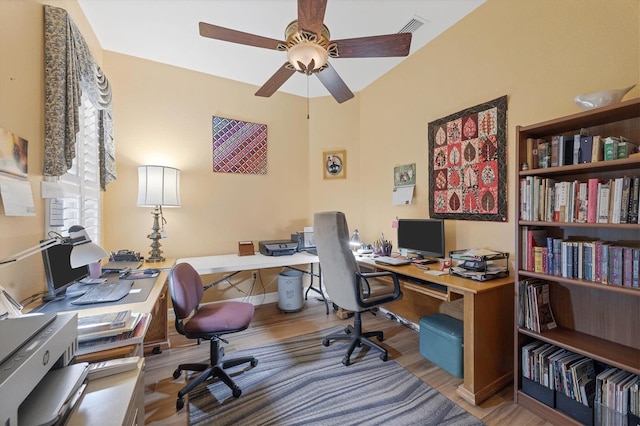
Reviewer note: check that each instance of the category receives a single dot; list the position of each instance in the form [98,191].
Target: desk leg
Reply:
[488,343]
[319,289]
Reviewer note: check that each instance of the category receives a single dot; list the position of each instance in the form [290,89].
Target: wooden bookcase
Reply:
[596,320]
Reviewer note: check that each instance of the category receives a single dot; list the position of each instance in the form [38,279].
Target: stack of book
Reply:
[111,330]
[535,306]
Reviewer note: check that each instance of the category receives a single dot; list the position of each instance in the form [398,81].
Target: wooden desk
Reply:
[157,336]
[234,263]
[488,322]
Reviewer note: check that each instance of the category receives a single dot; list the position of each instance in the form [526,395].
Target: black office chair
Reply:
[208,322]
[346,285]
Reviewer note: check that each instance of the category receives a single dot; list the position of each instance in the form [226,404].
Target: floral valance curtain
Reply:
[69,70]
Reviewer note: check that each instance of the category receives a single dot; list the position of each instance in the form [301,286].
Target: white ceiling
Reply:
[166,31]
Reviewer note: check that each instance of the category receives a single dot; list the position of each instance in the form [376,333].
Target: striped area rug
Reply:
[301,382]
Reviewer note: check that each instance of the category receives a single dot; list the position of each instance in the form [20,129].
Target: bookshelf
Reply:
[596,320]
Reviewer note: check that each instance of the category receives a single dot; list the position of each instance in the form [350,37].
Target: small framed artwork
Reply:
[334,164]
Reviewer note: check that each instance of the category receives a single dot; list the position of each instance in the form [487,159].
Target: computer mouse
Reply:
[75,290]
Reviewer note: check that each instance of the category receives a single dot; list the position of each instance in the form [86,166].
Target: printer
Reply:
[32,345]
[278,247]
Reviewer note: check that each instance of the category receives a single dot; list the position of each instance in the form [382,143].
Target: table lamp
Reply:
[83,253]
[354,241]
[158,186]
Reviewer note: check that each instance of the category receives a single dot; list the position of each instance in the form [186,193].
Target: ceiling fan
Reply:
[309,47]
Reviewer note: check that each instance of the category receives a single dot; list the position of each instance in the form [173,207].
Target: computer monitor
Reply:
[58,271]
[422,238]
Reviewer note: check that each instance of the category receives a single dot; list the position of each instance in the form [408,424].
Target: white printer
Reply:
[31,346]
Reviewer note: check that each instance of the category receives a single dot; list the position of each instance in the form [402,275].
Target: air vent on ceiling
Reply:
[413,25]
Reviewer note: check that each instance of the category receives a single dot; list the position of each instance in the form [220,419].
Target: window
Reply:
[81,202]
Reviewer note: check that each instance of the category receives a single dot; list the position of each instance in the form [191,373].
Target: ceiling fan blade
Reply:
[311,15]
[334,84]
[233,36]
[276,80]
[375,46]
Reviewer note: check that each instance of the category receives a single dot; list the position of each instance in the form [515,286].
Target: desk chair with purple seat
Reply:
[208,322]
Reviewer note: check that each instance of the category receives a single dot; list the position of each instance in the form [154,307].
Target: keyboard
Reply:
[394,261]
[106,292]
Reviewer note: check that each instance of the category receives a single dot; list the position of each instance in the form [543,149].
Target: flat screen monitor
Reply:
[58,271]
[422,238]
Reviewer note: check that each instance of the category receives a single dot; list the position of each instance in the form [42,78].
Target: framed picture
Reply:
[468,164]
[334,164]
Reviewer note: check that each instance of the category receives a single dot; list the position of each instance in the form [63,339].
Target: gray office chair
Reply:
[346,285]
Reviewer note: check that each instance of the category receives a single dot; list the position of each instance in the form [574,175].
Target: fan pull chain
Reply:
[307,96]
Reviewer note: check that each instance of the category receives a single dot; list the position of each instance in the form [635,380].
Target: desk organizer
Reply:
[479,265]
[441,342]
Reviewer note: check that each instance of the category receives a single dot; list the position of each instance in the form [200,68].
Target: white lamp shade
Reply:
[158,186]
[85,254]
[305,53]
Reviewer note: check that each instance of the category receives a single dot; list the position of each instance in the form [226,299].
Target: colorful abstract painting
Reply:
[239,146]
[468,162]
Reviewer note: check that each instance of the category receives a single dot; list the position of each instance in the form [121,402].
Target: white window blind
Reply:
[80,204]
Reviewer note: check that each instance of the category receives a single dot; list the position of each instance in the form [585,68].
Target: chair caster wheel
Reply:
[176,374]
[236,392]
[179,404]
[254,362]
[380,338]
[346,361]
[325,342]
[384,357]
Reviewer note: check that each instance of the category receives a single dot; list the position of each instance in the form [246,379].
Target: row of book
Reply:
[599,261]
[581,378]
[594,201]
[111,330]
[563,150]
[535,307]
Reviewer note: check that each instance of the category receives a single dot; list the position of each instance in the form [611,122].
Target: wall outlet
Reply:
[254,275]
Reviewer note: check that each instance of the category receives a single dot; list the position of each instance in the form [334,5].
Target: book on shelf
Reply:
[624,199]
[634,204]
[635,268]
[133,337]
[130,324]
[615,265]
[586,148]
[627,266]
[554,151]
[575,159]
[567,143]
[603,202]
[103,322]
[610,148]
[532,237]
[597,149]
[544,154]
[592,200]
[532,154]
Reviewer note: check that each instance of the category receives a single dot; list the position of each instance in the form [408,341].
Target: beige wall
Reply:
[538,58]
[22,113]
[541,54]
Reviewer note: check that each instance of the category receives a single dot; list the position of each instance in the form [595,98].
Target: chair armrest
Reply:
[362,280]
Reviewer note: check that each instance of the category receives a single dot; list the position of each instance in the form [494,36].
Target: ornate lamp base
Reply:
[155,255]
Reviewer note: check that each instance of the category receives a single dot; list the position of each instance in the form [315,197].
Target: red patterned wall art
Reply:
[468,162]
[239,146]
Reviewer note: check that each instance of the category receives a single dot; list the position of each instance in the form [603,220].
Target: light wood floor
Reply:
[270,325]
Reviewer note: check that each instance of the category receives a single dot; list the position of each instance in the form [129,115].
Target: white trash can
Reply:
[290,291]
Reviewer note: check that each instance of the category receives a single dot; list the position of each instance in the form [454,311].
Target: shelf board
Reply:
[593,347]
[598,166]
[633,226]
[581,283]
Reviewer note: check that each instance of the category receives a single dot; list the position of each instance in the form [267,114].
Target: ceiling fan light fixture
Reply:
[307,57]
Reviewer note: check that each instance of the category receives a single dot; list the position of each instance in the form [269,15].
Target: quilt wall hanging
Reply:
[468,162]
[239,146]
